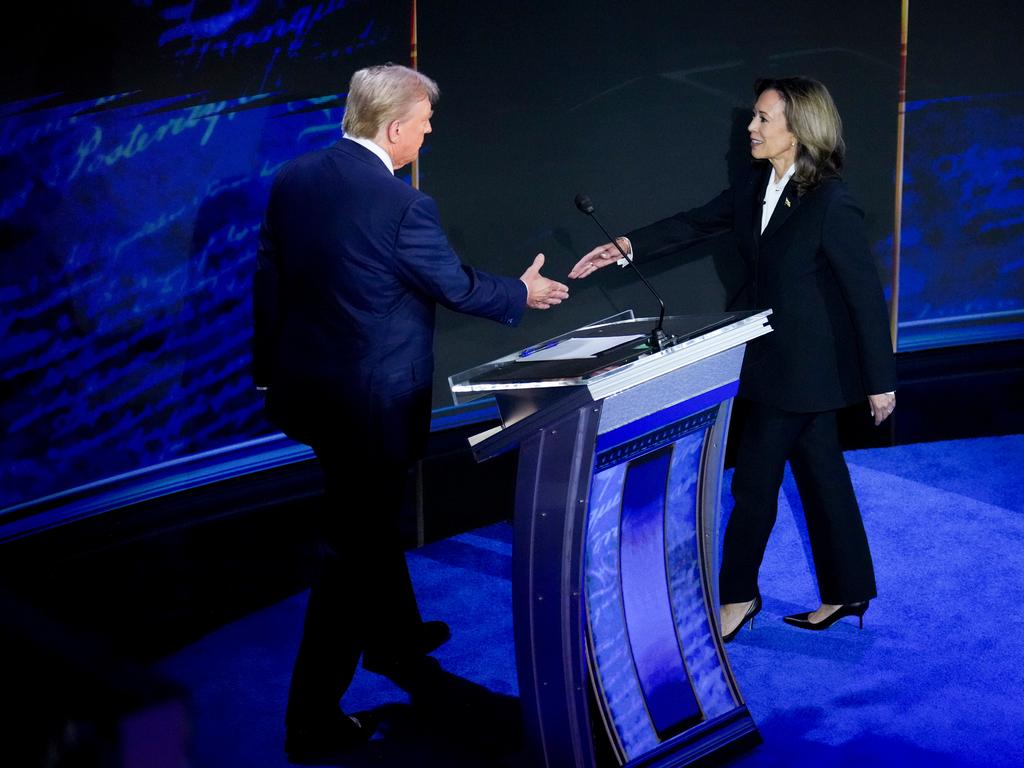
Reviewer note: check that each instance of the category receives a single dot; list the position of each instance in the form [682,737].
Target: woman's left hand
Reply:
[881,406]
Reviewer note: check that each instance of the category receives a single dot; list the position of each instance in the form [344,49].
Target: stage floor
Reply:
[932,679]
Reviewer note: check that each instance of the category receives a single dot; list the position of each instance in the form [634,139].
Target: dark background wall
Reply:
[644,106]
[138,138]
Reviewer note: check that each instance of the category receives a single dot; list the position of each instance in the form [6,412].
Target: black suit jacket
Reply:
[351,265]
[830,346]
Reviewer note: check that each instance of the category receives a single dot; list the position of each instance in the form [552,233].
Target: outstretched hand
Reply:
[599,257]
[542,293]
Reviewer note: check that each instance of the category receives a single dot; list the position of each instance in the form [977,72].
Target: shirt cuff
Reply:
[624,262]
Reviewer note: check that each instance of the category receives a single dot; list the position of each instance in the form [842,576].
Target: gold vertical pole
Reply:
[894,310]
[414,63]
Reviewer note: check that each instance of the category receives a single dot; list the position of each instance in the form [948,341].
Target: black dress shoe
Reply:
[752,610]
[802,620]
[432,635]
[325,741]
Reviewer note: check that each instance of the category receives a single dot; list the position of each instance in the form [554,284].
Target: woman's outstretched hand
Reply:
[599,257]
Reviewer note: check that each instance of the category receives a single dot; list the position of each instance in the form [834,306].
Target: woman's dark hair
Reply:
[812,117]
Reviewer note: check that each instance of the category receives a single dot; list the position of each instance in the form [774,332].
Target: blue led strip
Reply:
[658,438]
[650,626]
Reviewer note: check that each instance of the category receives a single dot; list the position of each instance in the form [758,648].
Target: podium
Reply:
[615,609]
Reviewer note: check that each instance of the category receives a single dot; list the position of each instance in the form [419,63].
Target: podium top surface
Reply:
[607,350]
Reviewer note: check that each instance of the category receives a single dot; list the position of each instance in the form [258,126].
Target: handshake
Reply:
[544,293]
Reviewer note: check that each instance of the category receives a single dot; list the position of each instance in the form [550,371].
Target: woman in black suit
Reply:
[802,238]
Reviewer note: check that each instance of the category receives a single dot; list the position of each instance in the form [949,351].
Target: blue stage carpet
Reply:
[934,679]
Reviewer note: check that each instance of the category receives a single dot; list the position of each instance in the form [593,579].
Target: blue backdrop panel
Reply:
[128,229]
[126,311]
[962,266]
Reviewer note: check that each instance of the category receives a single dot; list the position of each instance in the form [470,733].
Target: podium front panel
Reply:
[657,668]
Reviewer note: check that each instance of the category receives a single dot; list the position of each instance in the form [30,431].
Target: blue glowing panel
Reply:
[128,232]
[649,623]
[655,662]
[962,264]
[619,688]
[696,635]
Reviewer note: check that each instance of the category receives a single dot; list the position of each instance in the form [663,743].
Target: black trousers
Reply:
[362,599]
[810,442]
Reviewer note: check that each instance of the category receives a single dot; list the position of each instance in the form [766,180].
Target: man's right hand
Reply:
[542,293]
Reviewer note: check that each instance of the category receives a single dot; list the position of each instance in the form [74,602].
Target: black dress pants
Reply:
[362,598]
[810,442]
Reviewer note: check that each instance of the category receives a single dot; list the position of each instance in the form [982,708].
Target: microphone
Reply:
[658,339]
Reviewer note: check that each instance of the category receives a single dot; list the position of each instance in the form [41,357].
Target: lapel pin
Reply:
[787,202]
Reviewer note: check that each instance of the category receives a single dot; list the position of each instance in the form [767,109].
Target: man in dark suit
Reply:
[802,238]
[351,265]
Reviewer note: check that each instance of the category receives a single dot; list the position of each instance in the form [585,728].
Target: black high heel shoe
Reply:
[752,610]
[802,621]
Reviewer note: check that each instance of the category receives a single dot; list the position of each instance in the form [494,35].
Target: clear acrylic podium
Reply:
[619,657]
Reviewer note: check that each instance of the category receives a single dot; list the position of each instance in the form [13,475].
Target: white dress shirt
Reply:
[773,193]
[374,147]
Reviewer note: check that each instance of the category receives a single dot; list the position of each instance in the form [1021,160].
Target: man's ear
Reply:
[393,131]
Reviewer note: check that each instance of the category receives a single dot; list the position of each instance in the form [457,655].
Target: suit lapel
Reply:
[762,187]
[788,203]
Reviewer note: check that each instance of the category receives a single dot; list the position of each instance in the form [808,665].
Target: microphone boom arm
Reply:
[658,339]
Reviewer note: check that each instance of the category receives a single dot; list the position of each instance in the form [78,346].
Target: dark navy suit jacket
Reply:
[351,265]
[812,267]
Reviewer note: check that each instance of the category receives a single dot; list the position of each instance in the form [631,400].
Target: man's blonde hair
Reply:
[377,95]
